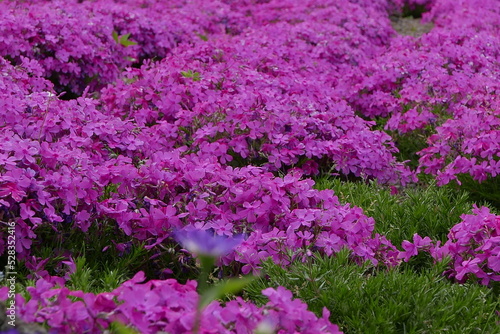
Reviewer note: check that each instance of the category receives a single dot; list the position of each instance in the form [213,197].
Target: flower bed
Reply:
[152,118]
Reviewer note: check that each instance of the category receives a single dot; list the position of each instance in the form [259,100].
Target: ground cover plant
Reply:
[154,155]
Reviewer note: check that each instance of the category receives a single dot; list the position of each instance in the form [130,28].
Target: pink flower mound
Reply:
[74,46]
[250,97]
[165,306]
[73,41]
[248,107]
[73,163]
[442,86]
[159,26]
[456,15]
[474,246]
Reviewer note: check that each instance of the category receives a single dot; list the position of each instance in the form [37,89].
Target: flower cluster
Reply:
[444,87]
[74,47]
[240,103]
[73,41]
[164,306]
[473,247]
[229,108]
[169,147]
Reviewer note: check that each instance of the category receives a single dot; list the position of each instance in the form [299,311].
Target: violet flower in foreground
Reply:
[208,247]
[202,242]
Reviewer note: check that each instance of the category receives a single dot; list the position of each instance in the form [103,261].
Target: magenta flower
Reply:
[205,243]
[411,249]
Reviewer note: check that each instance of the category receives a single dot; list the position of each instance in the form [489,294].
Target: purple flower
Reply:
[205,243]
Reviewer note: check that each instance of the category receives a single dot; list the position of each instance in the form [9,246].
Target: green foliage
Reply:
[487,191]
[413,10]
[81,279]
[119,328]
[123,39]
[363,299]
[111,280]
[100,265]
[190,74]
[91,278]
[409,144]
[202,37]
[225,288]
[111,188]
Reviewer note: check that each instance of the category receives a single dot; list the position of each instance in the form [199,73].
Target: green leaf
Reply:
[229,287]
[190,74]
[125,41]
[115,36]
[187,74]
[202,37]
[119,328]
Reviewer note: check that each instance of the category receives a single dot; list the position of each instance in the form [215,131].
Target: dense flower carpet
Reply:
[146,118]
